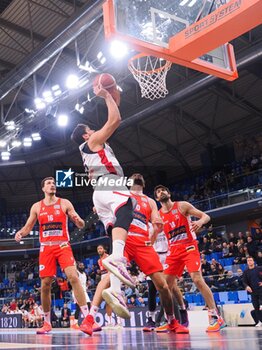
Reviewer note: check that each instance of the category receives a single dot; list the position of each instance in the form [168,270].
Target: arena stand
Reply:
[223,250]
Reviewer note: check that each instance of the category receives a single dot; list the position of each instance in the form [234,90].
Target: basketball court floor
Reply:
[240,338]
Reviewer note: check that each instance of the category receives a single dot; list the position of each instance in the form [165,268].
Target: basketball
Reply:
[107,81]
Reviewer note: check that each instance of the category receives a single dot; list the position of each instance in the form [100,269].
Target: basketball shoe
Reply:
[150,325]
[176,327]
[214,325]
[116,302]
[45,329]
[184,318]
[87,325]
[117,266]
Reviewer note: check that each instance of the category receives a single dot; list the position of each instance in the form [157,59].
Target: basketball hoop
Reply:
[150,72]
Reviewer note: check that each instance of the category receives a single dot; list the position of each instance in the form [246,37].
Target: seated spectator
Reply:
[231,281]
[132,302]
[128,291]
[205,247]
[205,265]
[225,250]
[240,279]
[65,316]
[259,258]
[232,249]
[240,243]
[241,236]
[241,257]
[232,238]
[13,305]
[251,247]
[140,302]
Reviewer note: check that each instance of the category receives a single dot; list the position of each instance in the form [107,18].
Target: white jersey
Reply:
[100,163]
[161,243]
[82,278]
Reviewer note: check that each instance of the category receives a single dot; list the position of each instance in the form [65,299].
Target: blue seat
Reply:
[242,296]
[198,299]
[216,296]
[189,298]
[223,297]
[233,296]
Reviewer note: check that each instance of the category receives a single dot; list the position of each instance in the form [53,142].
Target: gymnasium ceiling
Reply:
[199,114]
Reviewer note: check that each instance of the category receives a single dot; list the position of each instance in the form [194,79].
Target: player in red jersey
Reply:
[139,248]
[52,214]
[183,247]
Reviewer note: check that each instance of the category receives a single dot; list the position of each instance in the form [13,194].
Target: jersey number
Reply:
[50,217]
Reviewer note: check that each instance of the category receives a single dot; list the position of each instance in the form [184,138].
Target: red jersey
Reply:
[101,266]
[52,223]
[141,216]
[177,226]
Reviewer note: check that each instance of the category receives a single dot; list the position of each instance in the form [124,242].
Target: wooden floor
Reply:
[239,338]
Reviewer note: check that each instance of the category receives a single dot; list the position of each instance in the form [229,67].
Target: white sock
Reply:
[84,310]
[152,314]
[115,283]
[93,311]
[118,248]
[47,316]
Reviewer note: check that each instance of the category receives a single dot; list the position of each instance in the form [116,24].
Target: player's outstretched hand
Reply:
[101,92]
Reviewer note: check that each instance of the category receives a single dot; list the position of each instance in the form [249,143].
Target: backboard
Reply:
[184,31]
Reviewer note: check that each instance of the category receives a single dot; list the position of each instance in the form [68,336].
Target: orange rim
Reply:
[147,72]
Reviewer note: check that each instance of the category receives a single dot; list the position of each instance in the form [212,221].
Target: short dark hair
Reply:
[161,186]
[78,132]
[101,245]
[45,179]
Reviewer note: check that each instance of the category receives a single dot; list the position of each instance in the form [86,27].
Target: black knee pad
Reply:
[124,215]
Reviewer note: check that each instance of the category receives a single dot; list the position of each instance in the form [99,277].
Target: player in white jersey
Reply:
[161,247]
[113,203]
[82,278]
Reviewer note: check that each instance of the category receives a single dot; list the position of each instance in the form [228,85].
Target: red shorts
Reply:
[182,255]
[141,251]
[48,257]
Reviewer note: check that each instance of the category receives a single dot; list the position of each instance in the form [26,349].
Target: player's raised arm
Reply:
[72,214]
[98,138]
[189,209]
[30,223]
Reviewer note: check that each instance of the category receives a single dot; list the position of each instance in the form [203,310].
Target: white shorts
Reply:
[104,275]
[86,295]
[162,258]
[107,201]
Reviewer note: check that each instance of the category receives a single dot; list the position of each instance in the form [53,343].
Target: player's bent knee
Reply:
[73,279]
[124,215]
[198,280]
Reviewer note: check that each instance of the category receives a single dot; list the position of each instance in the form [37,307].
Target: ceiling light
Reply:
[27,142]
[47,95]
[62,120]
[10,125]
[16,143]
[39,103]
[55,87]
[36,136]
[2,143]
[118,49]
[72,81]
[5,155]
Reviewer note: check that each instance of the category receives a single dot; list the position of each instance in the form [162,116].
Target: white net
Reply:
[150,72]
